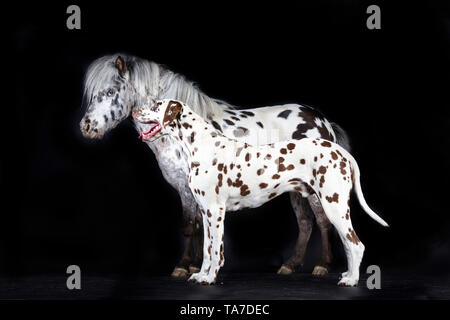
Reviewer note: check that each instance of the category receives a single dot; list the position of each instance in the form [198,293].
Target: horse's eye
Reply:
[110,92]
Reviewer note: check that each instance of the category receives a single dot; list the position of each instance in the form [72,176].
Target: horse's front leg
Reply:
[197,243]
[213,247]
[190,228]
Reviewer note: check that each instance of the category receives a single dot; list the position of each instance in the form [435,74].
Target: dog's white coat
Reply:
[226,174]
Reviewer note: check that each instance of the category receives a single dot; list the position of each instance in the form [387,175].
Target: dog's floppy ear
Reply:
[173,111]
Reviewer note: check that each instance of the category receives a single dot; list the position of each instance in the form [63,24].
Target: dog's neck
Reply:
[194,132]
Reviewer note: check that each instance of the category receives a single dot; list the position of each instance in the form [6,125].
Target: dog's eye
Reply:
[110,92]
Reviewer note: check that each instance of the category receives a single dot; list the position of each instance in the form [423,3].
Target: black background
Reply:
[105,205]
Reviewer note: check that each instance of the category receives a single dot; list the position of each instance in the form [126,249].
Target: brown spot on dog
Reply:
[283,150]
[290,167]
[322,181]
[268,157]
[244,190]
[326,144]
[192,138]
[334,198]
[291,146]
[352,237]
[195,164]
[334,155]
[260,172]
[322,170]
[272,195]
[220,166]
[248,157]
[229,122]
[302,161]
[276,176]
[263,185]
[342,166]
[214,162]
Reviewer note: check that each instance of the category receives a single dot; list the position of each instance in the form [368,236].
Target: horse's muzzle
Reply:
[89,129]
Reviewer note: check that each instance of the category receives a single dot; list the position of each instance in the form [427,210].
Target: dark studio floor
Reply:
[230,286]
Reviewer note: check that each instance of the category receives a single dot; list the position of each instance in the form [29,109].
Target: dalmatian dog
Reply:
[228,175]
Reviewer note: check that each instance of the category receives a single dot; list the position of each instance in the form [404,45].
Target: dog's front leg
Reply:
[213,251]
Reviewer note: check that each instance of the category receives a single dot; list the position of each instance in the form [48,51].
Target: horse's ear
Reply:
[173,111]
[121,66]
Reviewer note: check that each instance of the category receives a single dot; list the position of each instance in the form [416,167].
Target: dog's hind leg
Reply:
[338,212]
[305,223]
[326,229]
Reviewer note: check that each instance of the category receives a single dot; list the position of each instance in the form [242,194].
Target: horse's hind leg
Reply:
[326,229]
[305,224]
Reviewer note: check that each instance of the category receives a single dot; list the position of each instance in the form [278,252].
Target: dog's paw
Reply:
[202,278]
[348,282]
[344,275]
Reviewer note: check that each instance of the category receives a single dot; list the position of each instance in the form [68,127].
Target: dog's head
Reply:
[162,114]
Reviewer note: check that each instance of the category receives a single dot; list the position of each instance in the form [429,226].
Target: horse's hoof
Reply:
[320,271]
[285,270]
[193,269]
[179,273]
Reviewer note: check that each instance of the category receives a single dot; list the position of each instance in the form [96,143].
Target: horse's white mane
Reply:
[152,81]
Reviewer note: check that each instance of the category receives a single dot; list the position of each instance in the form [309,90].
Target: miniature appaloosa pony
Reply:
[229,175]
[115,85]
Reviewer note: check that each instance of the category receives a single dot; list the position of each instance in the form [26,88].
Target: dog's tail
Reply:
[359,193]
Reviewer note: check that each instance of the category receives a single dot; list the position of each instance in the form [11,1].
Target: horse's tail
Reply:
[342,138]
[359,193]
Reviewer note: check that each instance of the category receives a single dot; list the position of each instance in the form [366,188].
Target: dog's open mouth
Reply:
[153,130]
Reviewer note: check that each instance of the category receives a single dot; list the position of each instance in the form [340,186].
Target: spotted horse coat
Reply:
[225,174]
